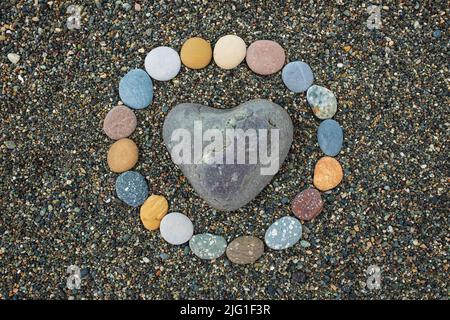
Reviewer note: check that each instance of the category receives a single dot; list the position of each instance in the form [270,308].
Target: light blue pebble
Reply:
[283,233]
[136,89]
[132,188]
[330,137]
[208,246]
[297,76]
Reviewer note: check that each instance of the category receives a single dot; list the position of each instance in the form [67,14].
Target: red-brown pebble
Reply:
[265,57]
[307,204]
[120,122]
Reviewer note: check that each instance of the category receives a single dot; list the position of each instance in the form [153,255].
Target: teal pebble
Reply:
[208,246]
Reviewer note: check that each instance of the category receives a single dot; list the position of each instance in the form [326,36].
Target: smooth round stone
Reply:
[328,174]
[120,122]
[283,233]
[307,204]
[136,89]
[207,246]
[176,228]
[229,51]
[153,211]
[322,101]
[330,136]
[162,63]
[265,57]
[297,76]
[196,53]
[132,188]
[122,155]
[245,250]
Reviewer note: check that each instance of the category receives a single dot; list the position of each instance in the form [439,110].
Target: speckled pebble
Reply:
[136,89]
[307,204]
[297,76]
[208,246]
[176,228]
[245,250]
[322,101]
[330,137]
[162,63]
[132,188]
[283,233]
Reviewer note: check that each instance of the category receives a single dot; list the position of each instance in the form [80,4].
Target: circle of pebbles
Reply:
[264,57]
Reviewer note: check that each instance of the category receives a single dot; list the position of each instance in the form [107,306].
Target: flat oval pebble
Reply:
[307,204]
[207,246]
[132,188]
[136,89]
[176,228]
[265,57]
[229,51]
[330,137]
[245,250]
[328,174]
[153,211]
[283,233]
[162,63]
[297,76]
[120,122]
[122,155]
[196,53]
[322,101]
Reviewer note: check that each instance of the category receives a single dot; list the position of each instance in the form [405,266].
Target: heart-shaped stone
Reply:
[258,131]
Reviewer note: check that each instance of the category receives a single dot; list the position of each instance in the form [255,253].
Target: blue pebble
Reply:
[330,136]
[297,76]
[136,89]
[283,233]
[437,33]
[132,188]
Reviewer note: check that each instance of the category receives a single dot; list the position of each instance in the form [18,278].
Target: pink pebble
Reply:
[265,57]
[120,122]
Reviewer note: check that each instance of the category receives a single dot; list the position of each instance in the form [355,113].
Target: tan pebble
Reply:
[327,174]
[122,155]
[153,210]
[245,250]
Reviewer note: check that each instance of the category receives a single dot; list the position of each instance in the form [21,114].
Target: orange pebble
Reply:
[196,53]
[153,210]
[327,174]
[122,155]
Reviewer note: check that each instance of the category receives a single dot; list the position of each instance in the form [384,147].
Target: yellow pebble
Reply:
[153,210]
[196,53]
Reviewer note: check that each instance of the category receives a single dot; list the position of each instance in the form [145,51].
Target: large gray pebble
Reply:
[228,186]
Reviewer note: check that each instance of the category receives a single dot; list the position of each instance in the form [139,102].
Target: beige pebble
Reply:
[229,51]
